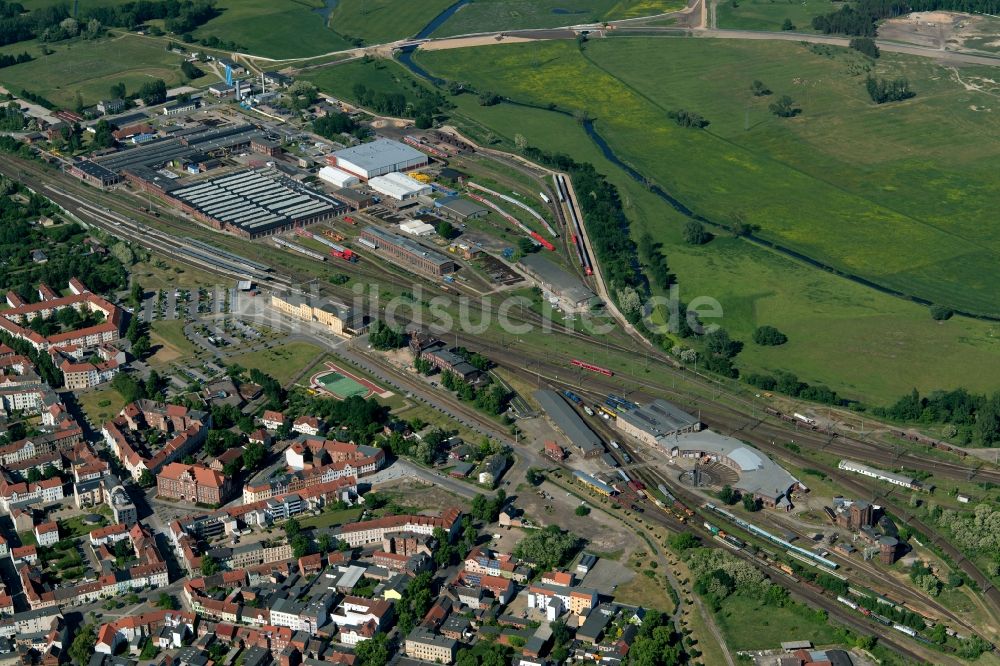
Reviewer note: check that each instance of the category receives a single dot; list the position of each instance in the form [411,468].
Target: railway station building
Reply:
[339,319]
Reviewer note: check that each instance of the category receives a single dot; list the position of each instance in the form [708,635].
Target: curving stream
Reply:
[406,58]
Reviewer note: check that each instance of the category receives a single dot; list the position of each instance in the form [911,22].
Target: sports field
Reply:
[274,28]
[93,67]
[859,341]
[341,386]
[899,194]
[342,383]
[487,15]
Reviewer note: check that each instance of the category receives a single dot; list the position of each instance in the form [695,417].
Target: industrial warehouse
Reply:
[410,254]
[561,287]
[141,165]
[399,187]
[377,158]
[253,204]
[653,423]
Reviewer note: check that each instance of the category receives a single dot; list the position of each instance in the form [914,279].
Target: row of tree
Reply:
[53,22]
[606,222]
[8,59]
[789,384]
[862,18]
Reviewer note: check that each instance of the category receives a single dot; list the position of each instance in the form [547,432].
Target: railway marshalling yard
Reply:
[271,275]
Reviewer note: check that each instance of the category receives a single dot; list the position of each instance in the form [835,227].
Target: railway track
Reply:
[762,440]
[810,596]
[652,477]
[759,432]
[731,420]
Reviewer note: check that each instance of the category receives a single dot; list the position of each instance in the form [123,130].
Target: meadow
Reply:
[378,21]
[488,15]
[863,343]
[770,14]
[896,194]
[380,75]
[274,28]
[92,67]
[283,362]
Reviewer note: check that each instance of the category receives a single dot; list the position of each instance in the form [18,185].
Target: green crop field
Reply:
[487,15]
[274,28]
[863,343]
[896,194]
[378,21]
[770,14]
[91,68]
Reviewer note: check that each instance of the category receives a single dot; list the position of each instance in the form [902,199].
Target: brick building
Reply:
[193,483]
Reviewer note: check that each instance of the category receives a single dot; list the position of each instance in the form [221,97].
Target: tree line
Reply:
[861,19]
[606,222]
[7,59]
[54,22]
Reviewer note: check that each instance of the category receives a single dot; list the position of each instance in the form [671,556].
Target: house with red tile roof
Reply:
[273,420]
[373,531]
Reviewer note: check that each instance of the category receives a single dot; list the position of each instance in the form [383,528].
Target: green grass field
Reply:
[771,625]
[282,362]
[379,75]
[100,405]
[487,15]
[330,518]
[861,342]
[378,21]
[921,186]
[91,68]
[170,342]
[770,14]
[274,28]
